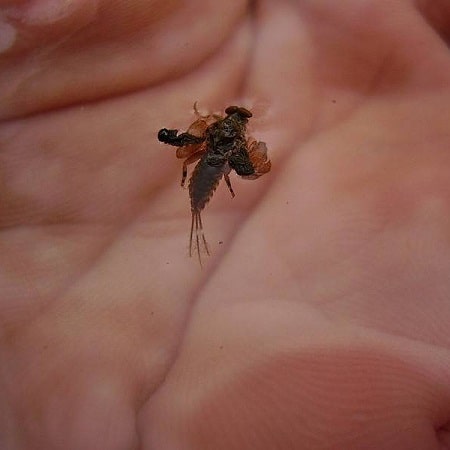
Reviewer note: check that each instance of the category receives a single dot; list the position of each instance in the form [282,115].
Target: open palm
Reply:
[320,320]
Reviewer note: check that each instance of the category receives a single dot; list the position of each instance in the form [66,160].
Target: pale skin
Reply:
[321,322]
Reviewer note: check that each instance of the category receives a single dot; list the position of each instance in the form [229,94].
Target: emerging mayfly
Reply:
[221,145]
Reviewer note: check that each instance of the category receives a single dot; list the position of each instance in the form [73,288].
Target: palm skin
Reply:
[322,320]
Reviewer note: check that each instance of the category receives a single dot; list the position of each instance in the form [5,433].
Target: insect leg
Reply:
[206,116]
[198,113]
[227,180]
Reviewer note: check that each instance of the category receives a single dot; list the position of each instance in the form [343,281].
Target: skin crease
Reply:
[320,323]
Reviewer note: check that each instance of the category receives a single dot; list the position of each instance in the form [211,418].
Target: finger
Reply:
[315,62]
[437,13]
[272,375]
[52,55]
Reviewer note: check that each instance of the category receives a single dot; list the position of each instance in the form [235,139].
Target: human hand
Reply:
[319,323]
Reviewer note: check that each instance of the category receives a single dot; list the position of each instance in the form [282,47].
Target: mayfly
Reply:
[219,144]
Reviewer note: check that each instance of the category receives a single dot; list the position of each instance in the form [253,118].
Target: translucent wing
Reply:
[198,128]
[257,154]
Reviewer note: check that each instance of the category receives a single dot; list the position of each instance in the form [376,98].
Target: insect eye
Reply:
[238,110]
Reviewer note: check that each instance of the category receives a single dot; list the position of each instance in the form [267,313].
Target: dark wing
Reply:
[250,162]
[240,162]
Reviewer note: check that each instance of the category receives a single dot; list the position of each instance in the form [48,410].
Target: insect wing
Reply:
[240,162]
[189,150]
[257,154]
[198,128]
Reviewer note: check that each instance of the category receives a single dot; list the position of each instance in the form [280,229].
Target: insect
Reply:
[219,144]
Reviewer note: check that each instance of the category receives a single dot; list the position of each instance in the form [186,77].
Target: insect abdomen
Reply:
[203,183]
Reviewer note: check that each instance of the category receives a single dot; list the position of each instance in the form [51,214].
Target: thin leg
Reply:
[206,116]
[227,180]
[197,112]
[192,159]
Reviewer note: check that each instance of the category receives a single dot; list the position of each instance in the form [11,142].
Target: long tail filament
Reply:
[197,226]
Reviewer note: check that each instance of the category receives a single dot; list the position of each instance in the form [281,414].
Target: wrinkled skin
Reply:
[321,322]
